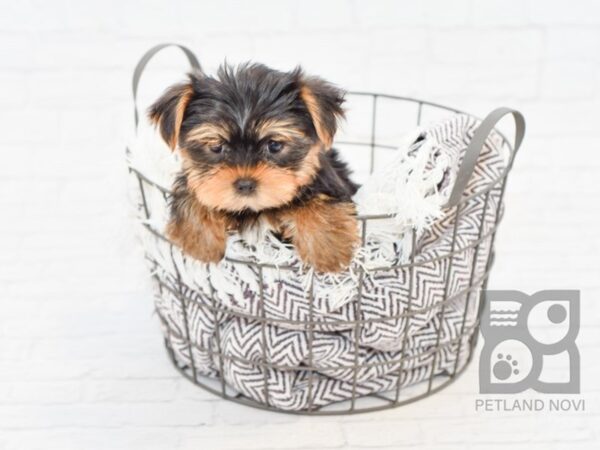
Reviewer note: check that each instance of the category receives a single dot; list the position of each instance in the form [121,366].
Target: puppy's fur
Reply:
[256,146]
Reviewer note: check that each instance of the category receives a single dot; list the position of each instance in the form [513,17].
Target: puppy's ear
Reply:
[324,103]
[167,112]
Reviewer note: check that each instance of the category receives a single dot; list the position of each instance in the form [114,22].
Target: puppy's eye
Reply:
[218,149]
[274,146]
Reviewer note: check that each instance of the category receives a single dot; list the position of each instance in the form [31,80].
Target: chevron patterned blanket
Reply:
[288,338]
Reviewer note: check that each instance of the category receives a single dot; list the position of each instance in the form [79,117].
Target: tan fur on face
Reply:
[214,189]
[279,129]
[315,112]
[310,166]
[276,186]
[325,234]
[285,130]
[208,134]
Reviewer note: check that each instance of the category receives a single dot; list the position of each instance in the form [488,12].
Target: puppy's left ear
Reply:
[168,111]
[324,103]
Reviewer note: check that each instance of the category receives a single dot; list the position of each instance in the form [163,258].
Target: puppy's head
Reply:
[250,138]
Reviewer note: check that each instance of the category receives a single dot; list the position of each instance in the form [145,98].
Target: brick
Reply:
[26,371]
[14,349]
[567,43]
[561,118]
[564,12]
[499,12]
[391,14]
[16,51]
[157,366]
[507,46]
[129,391]
[522,431]
[15,89]
[384,433]
[282,436]
[231,17]
[574,80]
[122,438]
[33,16]
[103,415]
[346,69]
[493,81]
[19,121]
[331,15]
[39,392]
[74,88]
[85,347]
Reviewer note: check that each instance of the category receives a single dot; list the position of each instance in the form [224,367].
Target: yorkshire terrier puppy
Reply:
[256,148]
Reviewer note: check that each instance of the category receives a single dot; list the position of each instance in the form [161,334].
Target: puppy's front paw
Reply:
[202,237]
[327,252]
[325,234]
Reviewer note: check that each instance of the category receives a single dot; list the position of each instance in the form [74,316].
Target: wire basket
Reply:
[194,319]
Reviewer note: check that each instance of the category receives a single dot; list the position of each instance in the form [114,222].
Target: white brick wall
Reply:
[81,358]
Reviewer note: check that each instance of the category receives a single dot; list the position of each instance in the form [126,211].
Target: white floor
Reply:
[82,365]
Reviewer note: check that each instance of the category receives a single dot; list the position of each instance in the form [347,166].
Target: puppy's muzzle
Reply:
[245,186]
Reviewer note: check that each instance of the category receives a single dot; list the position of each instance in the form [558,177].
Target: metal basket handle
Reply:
[476,145]
[141,65]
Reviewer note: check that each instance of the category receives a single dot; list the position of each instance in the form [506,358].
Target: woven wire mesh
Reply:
[376,139]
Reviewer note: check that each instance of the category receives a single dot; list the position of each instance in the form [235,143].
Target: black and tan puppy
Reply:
[256,146]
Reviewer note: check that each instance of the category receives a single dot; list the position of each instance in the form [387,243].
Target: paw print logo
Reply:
[523,335]
[505,367]
[509,362]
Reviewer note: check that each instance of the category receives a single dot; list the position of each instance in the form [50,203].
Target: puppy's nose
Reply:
[245,186]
